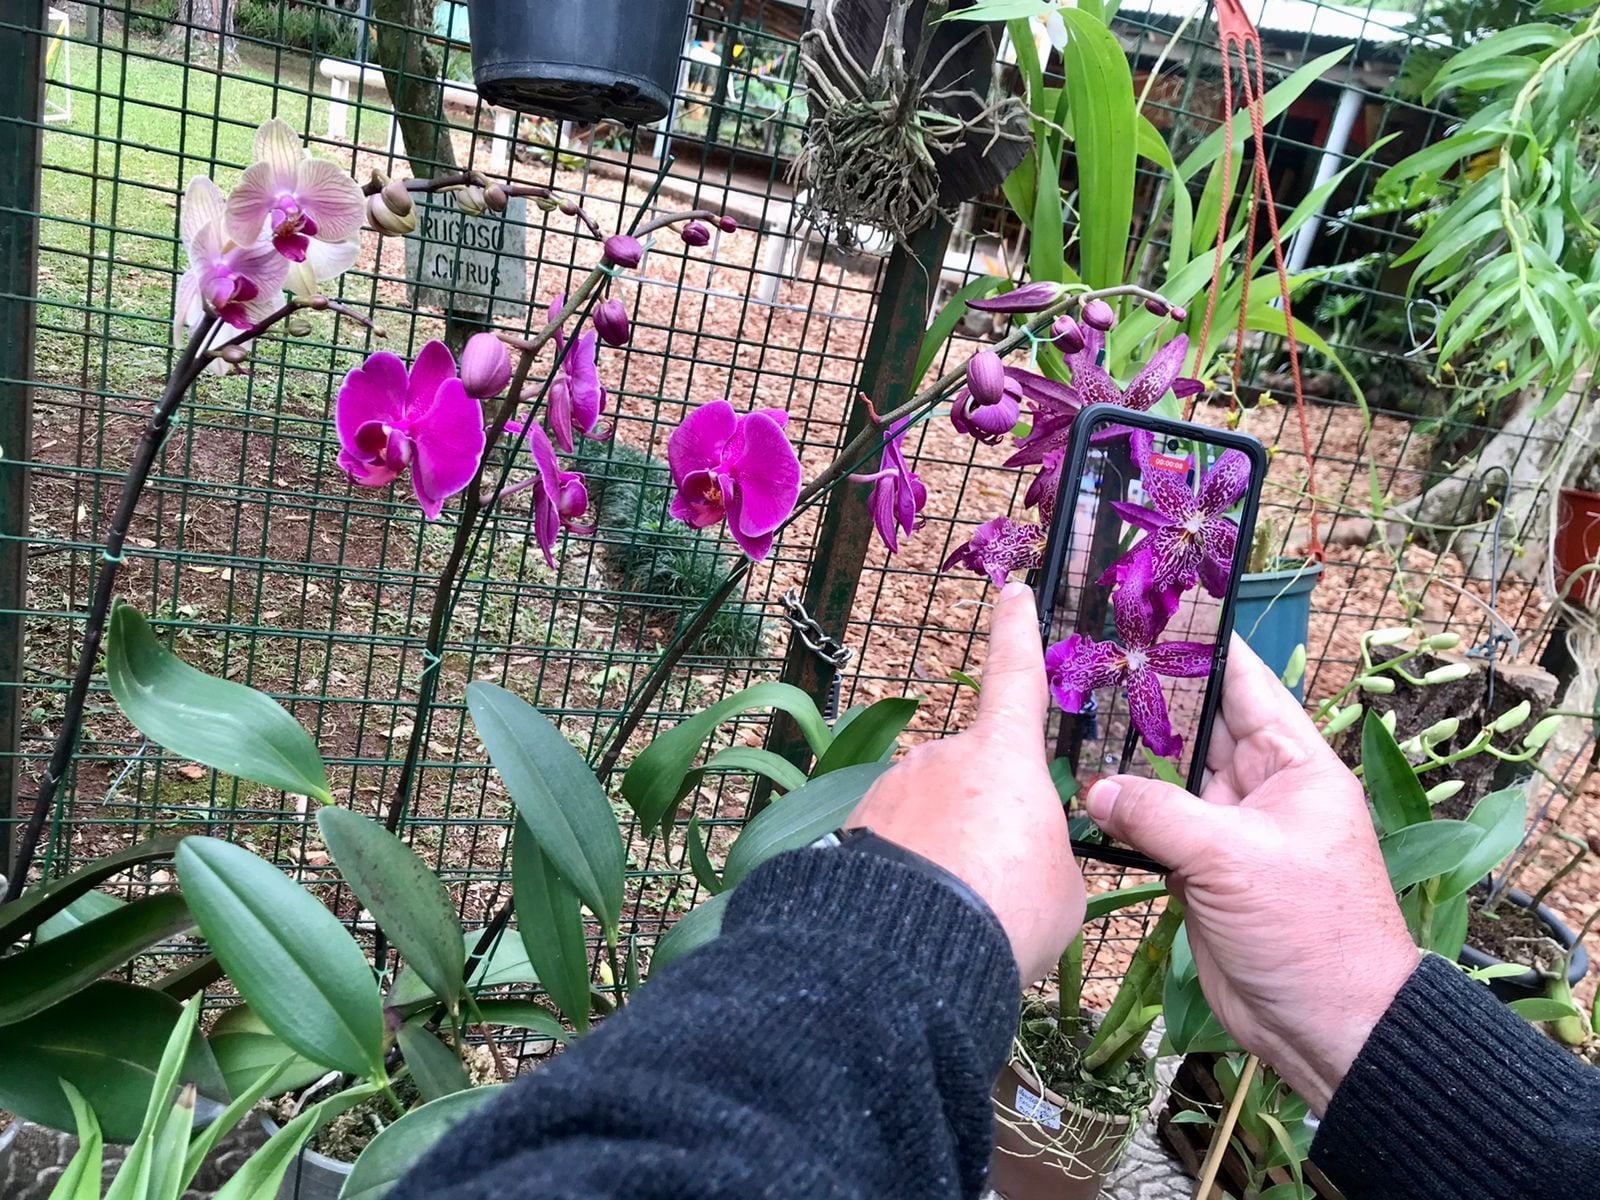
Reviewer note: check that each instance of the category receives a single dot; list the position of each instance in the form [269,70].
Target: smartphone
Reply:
[1151,530]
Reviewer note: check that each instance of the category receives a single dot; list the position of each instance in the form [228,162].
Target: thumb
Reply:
[1172,826]
[1014,696]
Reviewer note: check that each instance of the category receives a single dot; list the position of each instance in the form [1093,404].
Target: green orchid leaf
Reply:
[107,1041]
[1542,1008]
[562,804]
[406,898]
[289,957]
[262,1173]
[1046,244]
[1396,794]
[705,871]
[51,971]
[652,784]
[224,725]
[252,1093]
[246,1050]
[697,927]
[1415,853]
[1275,103]
[81,1178]
[1501,817]
[401,1146]
[80,912]
[1107,903]
[752,760]
[152,1153]
[524,1014]
[947,318]
[1099,85]
[550,923]
[799,818]
[870,738]
[436,1068]
[44,900]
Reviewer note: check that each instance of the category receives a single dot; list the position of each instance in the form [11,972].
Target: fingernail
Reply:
[1015,588]
[1101,799]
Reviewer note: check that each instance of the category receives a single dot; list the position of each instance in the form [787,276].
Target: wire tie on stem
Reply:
[433,660]
[109,557]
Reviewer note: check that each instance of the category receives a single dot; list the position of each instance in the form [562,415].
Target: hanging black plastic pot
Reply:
[579,60]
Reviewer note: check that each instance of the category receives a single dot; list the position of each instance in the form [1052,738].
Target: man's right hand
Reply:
[1295,930]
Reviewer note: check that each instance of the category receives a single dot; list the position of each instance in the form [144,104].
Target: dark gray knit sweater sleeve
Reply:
[838,1040]
[1454,1096]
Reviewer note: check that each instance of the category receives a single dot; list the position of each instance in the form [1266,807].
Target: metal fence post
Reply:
[21,124]
[900,319]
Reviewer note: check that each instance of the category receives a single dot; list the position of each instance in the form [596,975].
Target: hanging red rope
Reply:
[1238,38]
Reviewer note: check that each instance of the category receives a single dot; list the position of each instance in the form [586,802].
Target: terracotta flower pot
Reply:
[1046,1147]
[1578,543]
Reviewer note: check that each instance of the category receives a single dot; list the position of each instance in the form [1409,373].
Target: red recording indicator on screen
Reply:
[1165,462]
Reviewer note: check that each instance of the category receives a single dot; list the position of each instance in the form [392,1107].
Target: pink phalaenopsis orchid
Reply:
[734,465]
[1189,538]
[576,397]
[898,496]
[560,497]
[390,419]
[241,283]
[307,209]
[999,547]
[1079,666]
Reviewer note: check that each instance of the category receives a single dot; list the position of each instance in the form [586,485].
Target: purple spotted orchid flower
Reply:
[897,495]
[733,465]
[390,419]
[1079,666]
[1030,297]
[576,397]
[294,201]
[242,283]
[1188,539]
[999,547]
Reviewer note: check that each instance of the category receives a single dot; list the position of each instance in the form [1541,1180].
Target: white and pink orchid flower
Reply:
[242,283]
[307,209]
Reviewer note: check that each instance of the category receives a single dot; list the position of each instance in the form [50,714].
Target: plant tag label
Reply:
[1165,462]
[469,264]
[1037,1108]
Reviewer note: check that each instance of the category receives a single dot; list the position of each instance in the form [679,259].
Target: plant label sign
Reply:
[463,263]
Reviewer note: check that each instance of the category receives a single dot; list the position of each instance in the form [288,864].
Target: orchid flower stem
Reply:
[187,369]
[661,222]
[1125,1023]
[500,1067]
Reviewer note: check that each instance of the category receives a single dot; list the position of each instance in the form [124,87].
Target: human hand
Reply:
[981,804]
[1295,930]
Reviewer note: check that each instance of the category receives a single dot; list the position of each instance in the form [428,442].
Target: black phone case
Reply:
[1047,578]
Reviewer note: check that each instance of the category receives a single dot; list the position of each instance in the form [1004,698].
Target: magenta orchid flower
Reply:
[576,397]
[1030,297]
[241,283]
[897,495]
[290,198]
[1079,666]
[390,419]
[999,547]
[560,497]
[734,465]
[1188,539]
[1162,374]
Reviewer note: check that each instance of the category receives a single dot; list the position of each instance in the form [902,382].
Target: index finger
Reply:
[1014,694]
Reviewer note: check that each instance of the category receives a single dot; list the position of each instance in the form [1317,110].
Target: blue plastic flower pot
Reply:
[1272,612]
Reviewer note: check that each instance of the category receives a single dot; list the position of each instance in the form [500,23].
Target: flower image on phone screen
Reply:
[1147,541]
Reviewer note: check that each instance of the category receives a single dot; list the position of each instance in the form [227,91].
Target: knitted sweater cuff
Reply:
[962,955]
[1451,1086]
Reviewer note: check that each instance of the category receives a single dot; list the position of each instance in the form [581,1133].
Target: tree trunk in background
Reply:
[411,70]
[200,25]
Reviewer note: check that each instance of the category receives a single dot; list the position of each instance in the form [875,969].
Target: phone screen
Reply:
[1152,527]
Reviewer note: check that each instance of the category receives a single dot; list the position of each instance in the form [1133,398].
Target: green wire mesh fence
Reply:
[263,564]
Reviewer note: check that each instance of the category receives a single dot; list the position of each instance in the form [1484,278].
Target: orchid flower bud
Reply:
[471,200]
[1440,731]
[496,197]
[1157,307]
[1067,335]
[1179,313]
[1377,685]
[1296,670]
[1411,746]
[1511,718]
[1541,733]
[297,326]
[1099,315]
[573,501]
[232,355]
[1343,718]
[1448,673]
[1030,297]
[695,233]
[1387,720]
[1440,792]
[485,366]
[1442,641]
[1389,637]
[986,378]
[398,198]
[547,204]
[622,250]
[987,421]
[611,322]
[727,224]
[385,220]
